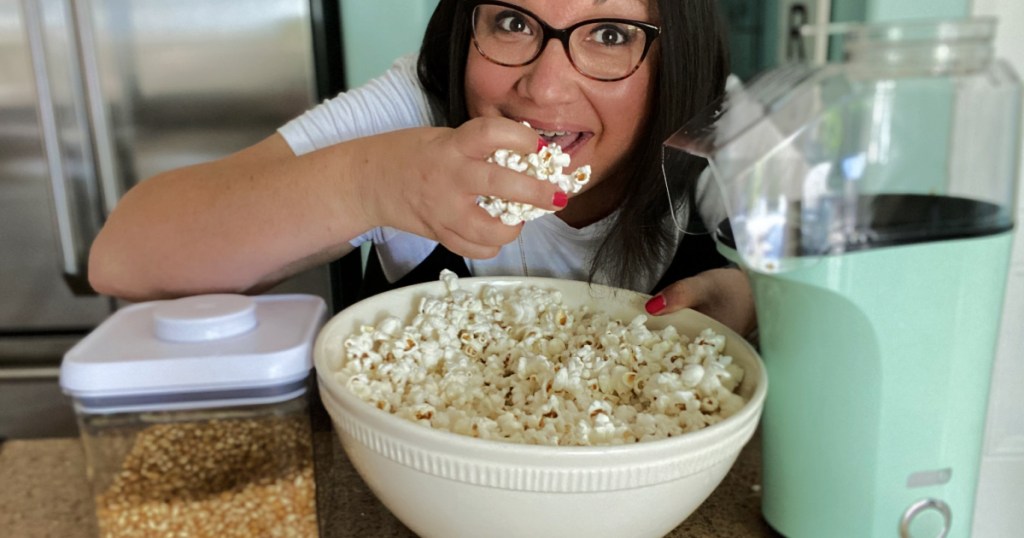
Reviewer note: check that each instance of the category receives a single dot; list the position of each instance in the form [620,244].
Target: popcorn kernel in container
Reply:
[194,416]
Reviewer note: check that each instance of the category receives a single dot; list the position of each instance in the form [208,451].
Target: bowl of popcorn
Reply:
[536,407]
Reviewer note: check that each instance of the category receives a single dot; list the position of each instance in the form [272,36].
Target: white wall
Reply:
[999,510]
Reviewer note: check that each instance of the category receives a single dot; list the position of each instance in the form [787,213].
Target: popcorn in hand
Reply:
[546,165]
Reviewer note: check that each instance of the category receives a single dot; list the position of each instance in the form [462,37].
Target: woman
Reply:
[607,80]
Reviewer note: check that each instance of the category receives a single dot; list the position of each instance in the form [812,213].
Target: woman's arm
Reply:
[227,225]
[246,221]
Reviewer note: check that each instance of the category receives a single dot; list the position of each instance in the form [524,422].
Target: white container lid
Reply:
[195,352]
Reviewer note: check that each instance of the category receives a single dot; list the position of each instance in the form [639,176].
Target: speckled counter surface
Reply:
[44,493]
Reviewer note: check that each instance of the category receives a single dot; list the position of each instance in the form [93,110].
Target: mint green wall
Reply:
[937,111]
[925,175]
[849,10]
[375,32]
[889,10]
[770,38]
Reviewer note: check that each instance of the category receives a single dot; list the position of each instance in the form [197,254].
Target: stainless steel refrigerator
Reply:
[97,95]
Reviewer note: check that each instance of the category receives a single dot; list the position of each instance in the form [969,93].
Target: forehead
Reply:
[565,12]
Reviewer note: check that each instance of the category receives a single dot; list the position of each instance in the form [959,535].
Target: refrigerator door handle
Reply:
[47,110]
[70,169]
[107,170]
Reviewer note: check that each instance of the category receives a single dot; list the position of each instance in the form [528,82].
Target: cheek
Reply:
[625,113]
[629,117]
[483,86]
[633,110]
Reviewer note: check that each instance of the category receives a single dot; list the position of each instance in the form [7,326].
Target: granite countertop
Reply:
[45,494]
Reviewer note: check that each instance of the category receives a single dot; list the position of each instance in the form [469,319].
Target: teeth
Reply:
[551,134]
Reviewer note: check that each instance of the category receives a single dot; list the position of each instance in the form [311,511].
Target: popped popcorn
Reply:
[546,165]
[515,364]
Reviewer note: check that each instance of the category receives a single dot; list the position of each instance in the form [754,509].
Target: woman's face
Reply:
[596,122]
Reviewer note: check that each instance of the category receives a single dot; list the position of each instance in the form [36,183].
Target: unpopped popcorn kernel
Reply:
[516,365]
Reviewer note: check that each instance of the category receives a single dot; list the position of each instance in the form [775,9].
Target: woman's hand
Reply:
[427,181]
[723,294]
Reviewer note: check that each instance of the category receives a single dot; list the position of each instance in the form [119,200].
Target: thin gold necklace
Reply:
[522,253]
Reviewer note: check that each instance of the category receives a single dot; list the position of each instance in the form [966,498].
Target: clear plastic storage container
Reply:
[194,416]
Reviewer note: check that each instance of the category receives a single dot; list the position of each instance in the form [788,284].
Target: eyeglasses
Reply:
[601,49]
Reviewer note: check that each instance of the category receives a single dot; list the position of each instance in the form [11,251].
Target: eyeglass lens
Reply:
[605,50]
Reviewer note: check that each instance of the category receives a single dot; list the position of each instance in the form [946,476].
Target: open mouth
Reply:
[567,140]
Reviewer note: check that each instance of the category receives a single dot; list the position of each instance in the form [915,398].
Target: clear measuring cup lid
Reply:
[912,137]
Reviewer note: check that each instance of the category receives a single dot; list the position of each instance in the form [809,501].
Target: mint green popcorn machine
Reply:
[871,200]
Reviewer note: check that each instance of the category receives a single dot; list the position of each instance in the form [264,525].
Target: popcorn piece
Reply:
[546,165]
[516,365]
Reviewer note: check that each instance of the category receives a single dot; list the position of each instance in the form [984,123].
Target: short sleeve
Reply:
[393,101]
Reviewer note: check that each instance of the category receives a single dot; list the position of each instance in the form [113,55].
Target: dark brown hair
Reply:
[693,64]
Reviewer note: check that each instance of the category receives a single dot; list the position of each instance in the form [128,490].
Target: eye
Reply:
[611,35]
[512,22]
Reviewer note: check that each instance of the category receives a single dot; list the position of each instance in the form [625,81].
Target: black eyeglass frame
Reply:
[548,32]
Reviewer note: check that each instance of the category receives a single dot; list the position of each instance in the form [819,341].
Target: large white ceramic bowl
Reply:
[442,484]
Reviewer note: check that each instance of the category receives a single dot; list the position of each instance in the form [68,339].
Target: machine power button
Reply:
[924,513]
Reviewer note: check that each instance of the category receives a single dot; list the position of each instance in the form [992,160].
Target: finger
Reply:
[686,293]
[481,228]
[482,136]
[493,180]
[477,227]
[454,242]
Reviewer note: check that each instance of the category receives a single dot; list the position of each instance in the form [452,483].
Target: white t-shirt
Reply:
[396,100]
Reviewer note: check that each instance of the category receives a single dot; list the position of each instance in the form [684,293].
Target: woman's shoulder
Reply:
[394,100]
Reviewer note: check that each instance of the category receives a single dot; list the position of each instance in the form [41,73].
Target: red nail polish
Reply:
[655,305]
[560,199]
[540,144]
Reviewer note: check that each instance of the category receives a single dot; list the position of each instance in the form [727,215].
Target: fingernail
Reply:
[560,199]
[541,143]
[655,305]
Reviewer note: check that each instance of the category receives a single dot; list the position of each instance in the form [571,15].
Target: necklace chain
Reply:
[522,254]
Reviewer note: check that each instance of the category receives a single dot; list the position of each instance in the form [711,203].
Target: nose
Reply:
[550,79]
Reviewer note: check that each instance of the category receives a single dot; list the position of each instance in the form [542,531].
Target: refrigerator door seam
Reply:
[106,163]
